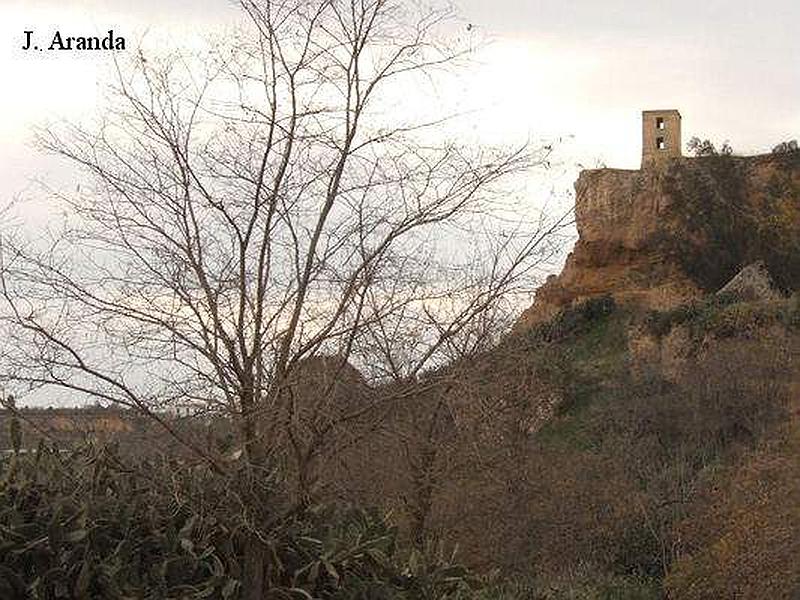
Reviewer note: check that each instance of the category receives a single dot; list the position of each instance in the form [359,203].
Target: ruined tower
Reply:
[661,135]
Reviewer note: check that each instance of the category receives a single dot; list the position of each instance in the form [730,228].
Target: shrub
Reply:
[575,319]
[77,526]
[711,225]
[719,221]
[699,315]
[85,524]
[699,147]
[786,147]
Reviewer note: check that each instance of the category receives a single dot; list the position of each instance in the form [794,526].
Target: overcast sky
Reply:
[553,68]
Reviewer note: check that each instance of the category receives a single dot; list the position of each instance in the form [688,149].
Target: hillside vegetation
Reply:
[614,436]
[605,454]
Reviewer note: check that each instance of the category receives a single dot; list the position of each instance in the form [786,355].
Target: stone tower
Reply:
[661,135]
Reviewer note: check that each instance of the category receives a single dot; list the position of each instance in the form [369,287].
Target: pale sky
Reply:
[581,68]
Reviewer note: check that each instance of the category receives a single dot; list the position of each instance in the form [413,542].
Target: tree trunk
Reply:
[253,576]
[254,456]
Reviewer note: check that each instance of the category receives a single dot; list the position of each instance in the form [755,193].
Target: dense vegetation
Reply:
[579,466]
[639,482]
[622,481]
[719,222]
[90,524]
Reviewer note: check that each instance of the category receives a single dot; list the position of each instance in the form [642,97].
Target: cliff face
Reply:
[661,236]
[620,216]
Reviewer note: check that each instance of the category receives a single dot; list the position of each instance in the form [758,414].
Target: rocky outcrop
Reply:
[659,237]
[620,221]
[753,283]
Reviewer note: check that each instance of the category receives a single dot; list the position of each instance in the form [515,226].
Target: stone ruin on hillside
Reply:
[661,136]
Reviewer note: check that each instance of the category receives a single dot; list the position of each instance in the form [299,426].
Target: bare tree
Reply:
[249,209]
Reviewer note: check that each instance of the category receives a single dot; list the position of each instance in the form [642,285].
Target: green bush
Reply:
[710,225]
[575,319]
[82,525]
[718,222]
[723,315]
[699,315]
[86,524]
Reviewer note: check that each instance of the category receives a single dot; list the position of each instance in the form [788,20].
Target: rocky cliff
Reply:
[661,236]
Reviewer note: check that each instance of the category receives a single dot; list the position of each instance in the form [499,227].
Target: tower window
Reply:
[661,144]
[660,123]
